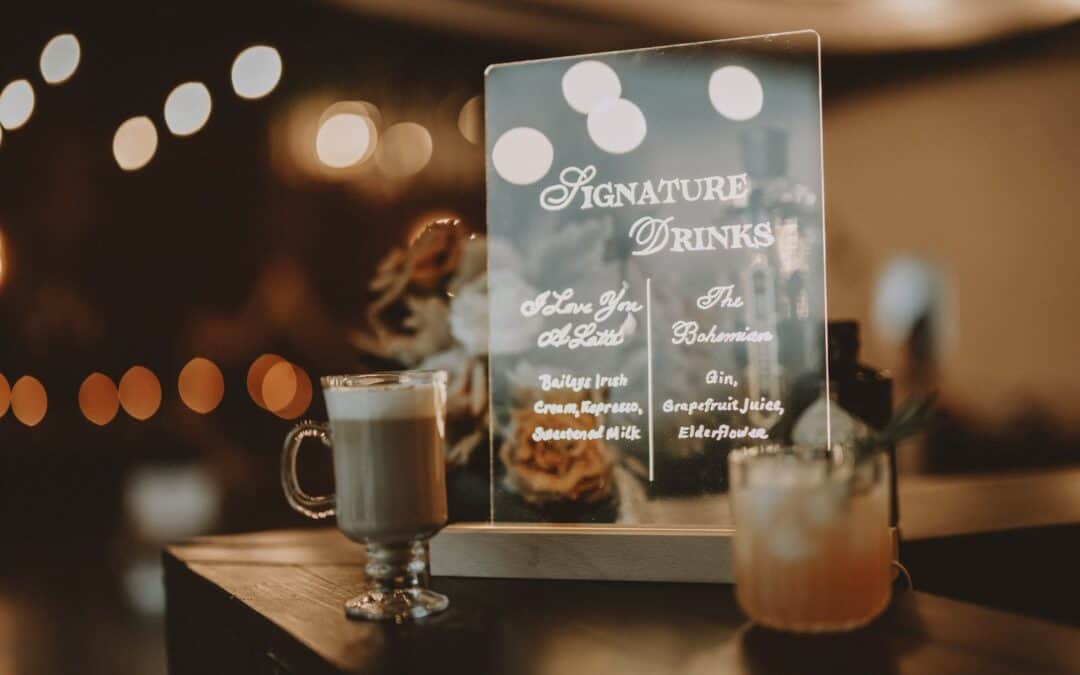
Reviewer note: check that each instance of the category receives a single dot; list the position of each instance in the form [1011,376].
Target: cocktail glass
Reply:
[812,546]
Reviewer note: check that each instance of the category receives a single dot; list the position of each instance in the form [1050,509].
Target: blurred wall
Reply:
[975,166]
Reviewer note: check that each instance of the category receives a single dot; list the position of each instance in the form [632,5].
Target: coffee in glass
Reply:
[386,432]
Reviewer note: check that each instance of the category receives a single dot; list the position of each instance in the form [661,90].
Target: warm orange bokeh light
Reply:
[286,390]
[201,385]
[301,399]
[29,401]
[257,374]
[5,395]
[279,386]
[99,399]
[3,260]
[140,393]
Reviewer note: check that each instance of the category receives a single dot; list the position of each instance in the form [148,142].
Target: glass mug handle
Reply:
[312,506]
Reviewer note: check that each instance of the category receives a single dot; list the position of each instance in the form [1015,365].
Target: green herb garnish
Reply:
[912,417]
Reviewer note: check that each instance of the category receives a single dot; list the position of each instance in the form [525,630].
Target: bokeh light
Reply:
[99,399]
[16,104]
[587,84]
[522,155]
[135,143]
[140,393]
[616,126]
[286,390]
[362,108]
[470,121]
[3,260]
[256,71]
[5,395]
[301,399]
[187,108]
[405,149]
[60,58]
[736,93]
[345,139]
[257,374]
[29,401]
[201,385]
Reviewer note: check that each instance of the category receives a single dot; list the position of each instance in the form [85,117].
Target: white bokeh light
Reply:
[617,126]
[187,108]
[344,139]
[362,108]
[256,71]
[522,155]
[404,149]
[60,58]
[736,93]
[470,121]
[135,143]
[16,104]
[589,83]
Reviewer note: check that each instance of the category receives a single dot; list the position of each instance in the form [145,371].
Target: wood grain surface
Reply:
[272,603]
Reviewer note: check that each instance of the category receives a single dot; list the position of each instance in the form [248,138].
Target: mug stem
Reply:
[397,575]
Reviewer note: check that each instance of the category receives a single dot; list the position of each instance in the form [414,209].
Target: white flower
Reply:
[512,332]
[469,316]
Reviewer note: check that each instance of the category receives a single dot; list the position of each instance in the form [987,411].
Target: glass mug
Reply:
[812,548]
[386,433]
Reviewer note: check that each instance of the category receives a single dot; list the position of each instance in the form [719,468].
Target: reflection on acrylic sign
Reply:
[656,274]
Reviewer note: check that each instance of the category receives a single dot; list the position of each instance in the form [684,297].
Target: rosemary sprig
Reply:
[912,417]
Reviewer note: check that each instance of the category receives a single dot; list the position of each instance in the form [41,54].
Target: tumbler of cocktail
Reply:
[812,547]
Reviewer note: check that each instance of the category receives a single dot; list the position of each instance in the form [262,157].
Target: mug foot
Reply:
[395,604]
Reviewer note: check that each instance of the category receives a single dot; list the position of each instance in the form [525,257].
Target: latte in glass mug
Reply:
[386,432]
[389,471]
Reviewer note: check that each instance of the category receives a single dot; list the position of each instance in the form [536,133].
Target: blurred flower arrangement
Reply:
[431,313]
[555,470]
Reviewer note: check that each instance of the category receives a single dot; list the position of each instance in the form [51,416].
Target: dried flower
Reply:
[557,470]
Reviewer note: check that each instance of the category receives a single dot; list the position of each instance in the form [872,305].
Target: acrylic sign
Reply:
[656,275]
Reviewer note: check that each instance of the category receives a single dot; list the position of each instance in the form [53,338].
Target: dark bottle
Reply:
[861,390]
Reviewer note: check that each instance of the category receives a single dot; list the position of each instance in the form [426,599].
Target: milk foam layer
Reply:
[382,402]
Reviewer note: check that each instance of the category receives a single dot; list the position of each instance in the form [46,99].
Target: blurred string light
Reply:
[470,120]
[5,395]
[135,143]
[616,126]
[256,71]
[187,108]
[278,386]
[140,393]
[286,390]
[522,155]
[404,150]
[587,84]
[99,399]
[16,104]
[736,93]
[345,139]
[257,374]
[362,108]
[29,402]
[201,385]
[60,58]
